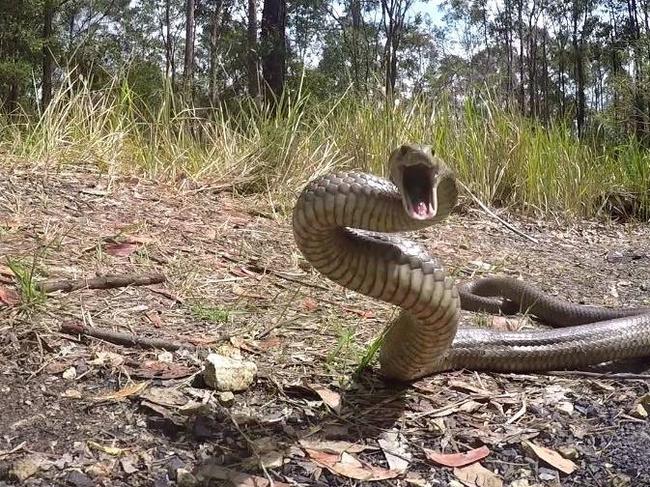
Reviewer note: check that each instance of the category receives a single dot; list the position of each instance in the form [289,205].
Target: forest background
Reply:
[539,105]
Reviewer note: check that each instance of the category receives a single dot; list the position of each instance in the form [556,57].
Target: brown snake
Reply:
[336,222]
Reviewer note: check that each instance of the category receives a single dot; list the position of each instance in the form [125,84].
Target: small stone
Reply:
[166,357]
[70,373]
[184,478]
[173,466]
[128,465]
[640,411]
[566,407]
[98,470]
[615,256]
[547,474]
[569,452]
[228,374]
[26,467]
[79,479]
[226,398]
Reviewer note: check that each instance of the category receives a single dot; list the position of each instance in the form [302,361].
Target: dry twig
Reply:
[104,282]
[497,217]
[126,339]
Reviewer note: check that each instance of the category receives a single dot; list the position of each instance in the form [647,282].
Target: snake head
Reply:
[416,171]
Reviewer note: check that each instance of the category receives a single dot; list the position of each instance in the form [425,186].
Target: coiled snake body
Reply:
[336,224]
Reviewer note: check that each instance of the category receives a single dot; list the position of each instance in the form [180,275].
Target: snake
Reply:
[348,226]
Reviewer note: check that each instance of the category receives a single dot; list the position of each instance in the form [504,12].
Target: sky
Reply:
[429,7]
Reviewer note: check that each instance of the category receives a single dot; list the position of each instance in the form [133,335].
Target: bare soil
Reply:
[77,410]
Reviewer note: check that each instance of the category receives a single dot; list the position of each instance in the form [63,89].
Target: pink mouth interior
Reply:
[418,191]
[421,209]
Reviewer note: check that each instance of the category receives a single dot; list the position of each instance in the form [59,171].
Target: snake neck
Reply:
[336,223]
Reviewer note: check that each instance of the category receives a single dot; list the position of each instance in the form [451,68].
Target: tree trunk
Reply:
[579,72]
[215,23]
[188,64]
[532,74]
[253,76]
[355,11]
[545,100]
[509,35]
[639,105]
[170,64]
[522,86]
[273,41]
[48,58]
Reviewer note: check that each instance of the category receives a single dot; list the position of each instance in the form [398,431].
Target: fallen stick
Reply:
[119,338]
[599,375]
[497,217]
[104,282]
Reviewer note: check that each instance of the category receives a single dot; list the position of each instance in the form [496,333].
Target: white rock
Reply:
[228,374]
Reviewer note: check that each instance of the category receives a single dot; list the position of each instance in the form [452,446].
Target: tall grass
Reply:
[504,158]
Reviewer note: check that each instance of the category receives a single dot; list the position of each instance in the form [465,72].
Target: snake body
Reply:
[344,223]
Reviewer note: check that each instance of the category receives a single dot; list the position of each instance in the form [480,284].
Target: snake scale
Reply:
[345,225]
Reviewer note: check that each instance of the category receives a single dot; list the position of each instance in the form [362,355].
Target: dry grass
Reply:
[505,159]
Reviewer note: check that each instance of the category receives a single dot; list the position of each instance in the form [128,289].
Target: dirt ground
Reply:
[81,411]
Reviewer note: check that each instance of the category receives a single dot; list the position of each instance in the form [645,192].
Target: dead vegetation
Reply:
[81,409]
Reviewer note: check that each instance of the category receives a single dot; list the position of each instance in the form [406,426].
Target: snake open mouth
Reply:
[419,191]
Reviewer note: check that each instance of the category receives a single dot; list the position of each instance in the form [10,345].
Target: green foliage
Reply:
[30,294]
[210,313]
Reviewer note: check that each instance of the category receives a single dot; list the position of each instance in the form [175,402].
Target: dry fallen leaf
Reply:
[394,447]
[9,296]
[123,393]
[216,472]
[457,459]
[310,304]
[154,318]
[123,249]
[553,458]
[111,450]
[476,475]
[348,466]
[334,446]
[506,324]
[268,343]
[329,397]
[465,386]
[6,274]
[155,369]
[107,358]
[364,313]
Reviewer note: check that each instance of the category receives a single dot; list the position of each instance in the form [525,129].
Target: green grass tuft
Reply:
[209,313]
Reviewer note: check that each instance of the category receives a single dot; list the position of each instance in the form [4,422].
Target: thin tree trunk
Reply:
[215,23]
[522,88]
[188,64]
[532,74]
[48,58]
[253,76]
[355,11]
[545,100]
[273,41]
[509,35]
[170,64]
[579,72]
[166,29]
